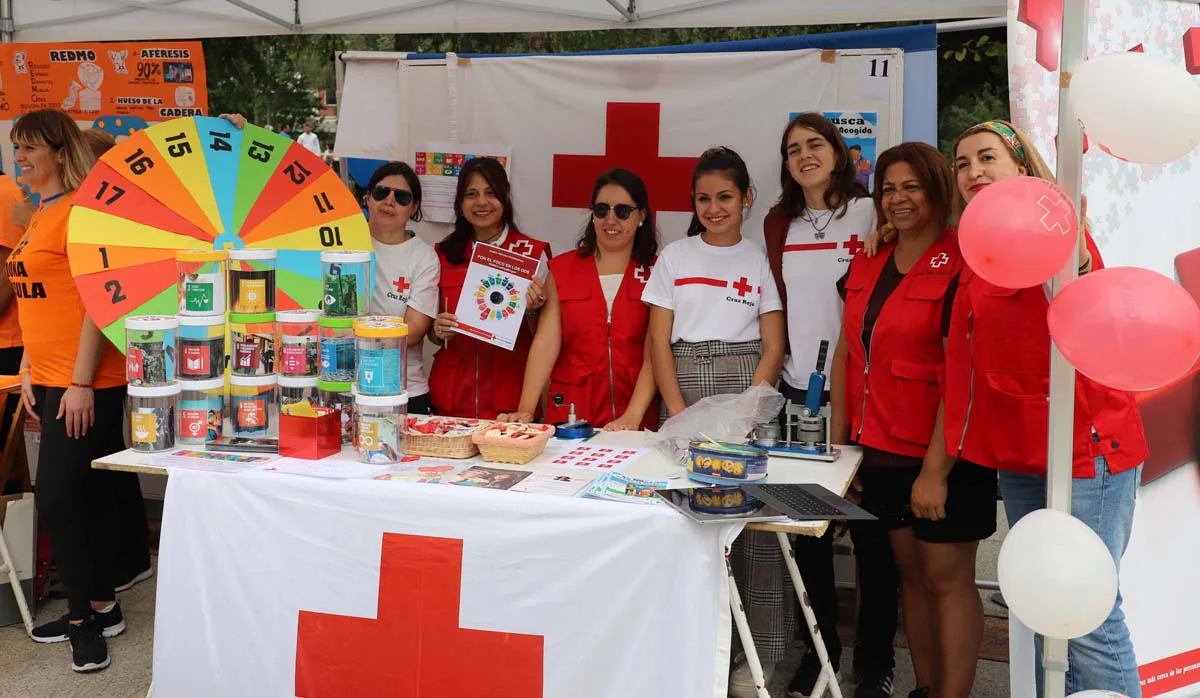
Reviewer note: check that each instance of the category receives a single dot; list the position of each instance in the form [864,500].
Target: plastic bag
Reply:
[729,418]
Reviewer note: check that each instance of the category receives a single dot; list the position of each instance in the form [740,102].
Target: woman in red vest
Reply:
[997,411]
[471,378]
[891,355]
[591,336]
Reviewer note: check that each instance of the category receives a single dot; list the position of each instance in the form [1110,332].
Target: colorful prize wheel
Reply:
[199,183]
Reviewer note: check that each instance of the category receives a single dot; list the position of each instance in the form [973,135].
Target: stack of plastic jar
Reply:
[298,340]
[381,424]
[382,356]
[252,409]
[201,347]
[152,416]
[202,279]
[340,396]
[294,389]
[338,350]
[253,341]
[346,276]
[201,411]
[252,281]
[150,349]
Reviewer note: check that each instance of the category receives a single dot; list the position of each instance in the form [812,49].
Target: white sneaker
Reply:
[741,683]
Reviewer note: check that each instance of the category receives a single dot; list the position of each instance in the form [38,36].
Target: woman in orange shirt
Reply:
[74,381]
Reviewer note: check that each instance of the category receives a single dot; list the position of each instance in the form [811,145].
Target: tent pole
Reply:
[967,25]
[1062,374]
[339,76]
[7,24]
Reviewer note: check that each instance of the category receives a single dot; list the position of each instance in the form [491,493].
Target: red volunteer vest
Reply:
[998,386]
[599,361]
[471,378]
[892,394]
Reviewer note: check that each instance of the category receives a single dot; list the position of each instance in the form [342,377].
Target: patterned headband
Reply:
[1006,133]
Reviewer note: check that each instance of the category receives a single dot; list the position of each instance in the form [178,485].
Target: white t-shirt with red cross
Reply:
[406,276]
[716,293]
[815,256]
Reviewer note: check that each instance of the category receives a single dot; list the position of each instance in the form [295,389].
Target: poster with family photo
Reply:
[859,129]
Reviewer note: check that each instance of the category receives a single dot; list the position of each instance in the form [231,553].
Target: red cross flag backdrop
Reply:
[570,118]
[352,588]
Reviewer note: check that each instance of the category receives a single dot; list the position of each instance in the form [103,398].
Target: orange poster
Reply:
[155,81]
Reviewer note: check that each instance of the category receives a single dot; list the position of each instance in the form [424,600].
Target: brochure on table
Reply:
[492,303]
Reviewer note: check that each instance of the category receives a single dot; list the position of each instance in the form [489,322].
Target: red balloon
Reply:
[1127,328]
[1018,232]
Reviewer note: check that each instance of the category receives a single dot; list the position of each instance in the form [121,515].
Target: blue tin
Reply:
[725,463]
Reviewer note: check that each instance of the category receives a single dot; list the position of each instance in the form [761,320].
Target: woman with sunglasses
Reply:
[471,378]
[406,267]
[591,337]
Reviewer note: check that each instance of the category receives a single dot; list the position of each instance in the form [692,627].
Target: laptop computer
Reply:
[779,503]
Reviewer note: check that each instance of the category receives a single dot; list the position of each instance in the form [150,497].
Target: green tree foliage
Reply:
[972,82]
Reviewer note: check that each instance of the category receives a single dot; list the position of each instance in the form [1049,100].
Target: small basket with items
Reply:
[511,442]
[441,437]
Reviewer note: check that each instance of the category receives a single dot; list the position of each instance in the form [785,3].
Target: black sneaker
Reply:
[136,579]
[874,685]
[919,693]
[89,651]
[109,624]
[805,680]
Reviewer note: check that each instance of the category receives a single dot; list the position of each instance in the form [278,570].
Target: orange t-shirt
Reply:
[51,311]
[10,235]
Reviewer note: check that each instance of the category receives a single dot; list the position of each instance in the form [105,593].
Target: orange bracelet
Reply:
[81,385]
[23,371]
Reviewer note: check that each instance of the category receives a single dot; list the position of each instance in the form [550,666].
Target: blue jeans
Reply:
[1104,658]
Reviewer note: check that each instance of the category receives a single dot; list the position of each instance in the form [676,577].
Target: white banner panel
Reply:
[279,585]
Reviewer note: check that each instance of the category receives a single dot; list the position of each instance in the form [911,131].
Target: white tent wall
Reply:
[78,20]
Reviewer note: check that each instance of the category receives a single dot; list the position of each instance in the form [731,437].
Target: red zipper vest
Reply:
[998,386]
[599,361]
[471,378]
[892,393]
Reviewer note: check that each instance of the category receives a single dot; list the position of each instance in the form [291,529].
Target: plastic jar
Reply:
[202,278]
[252,281]
[382,423]
[340,396]
[253,406]
[382,357]
[298,355]
[293,389]
[201,411]
[152,417]
[150,349]
[252,342]
[201,347]
[338,349]
[346,276]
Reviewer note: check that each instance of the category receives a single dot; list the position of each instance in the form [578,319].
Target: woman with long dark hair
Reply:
[471,378]
[591,336]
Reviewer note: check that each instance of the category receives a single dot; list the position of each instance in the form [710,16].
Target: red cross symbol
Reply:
[853,244]
[524,247]
[941,260]
[742,286]
[631,140]
[1045,18]
[401,285]
[415,647]
[642,274]
[1191,50]
[1057,216]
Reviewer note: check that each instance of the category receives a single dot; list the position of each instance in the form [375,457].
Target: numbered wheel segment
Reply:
[199,183]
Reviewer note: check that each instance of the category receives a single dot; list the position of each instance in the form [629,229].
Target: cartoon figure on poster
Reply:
[86,92]
[859,130]
[118,61]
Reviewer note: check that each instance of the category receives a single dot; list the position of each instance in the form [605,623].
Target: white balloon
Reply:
[1098,693]
[1142,108]
[1056,575]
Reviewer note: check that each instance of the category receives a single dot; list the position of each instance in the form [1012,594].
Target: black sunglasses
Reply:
[623,211]
[403,197]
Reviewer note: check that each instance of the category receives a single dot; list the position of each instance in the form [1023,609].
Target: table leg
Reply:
[18,593]
[743,628]
[828,677]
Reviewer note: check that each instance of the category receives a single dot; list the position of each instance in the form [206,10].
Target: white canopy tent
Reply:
[78,20]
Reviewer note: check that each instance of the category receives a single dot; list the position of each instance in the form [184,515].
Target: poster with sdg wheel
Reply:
[492,303]
[199,183]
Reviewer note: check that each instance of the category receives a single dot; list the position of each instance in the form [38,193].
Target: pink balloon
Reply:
[1127,328]
[1018,232]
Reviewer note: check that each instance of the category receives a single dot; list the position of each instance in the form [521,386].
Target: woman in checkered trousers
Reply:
[716,326]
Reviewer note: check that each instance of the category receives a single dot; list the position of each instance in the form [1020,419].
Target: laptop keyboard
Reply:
[802,502]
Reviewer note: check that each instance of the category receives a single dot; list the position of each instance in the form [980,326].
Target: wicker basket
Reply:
[515,452]
[441,445]
[517,455]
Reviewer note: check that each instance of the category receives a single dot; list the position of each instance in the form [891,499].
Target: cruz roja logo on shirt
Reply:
[23,289]
[743,287]
[401,285]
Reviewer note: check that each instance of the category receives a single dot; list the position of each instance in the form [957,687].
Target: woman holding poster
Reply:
[716,327]
[471,378]
[591,336]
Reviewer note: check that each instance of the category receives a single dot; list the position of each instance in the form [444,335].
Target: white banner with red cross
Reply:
[279,585]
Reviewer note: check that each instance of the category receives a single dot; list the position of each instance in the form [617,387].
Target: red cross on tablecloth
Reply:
[631,141]
[415,647]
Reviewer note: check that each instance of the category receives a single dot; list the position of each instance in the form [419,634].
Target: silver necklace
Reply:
[814,219]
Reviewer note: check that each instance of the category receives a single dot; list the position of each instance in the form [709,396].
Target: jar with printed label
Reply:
[202,278]
[382,423]
[293,389]
[252,344]
[339,353]
[201,411]
[150,349]
[382,357]
[340,396]
[298,340]
[152,417]
[252,281]
[252,409]
[346,277]
[201,347]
